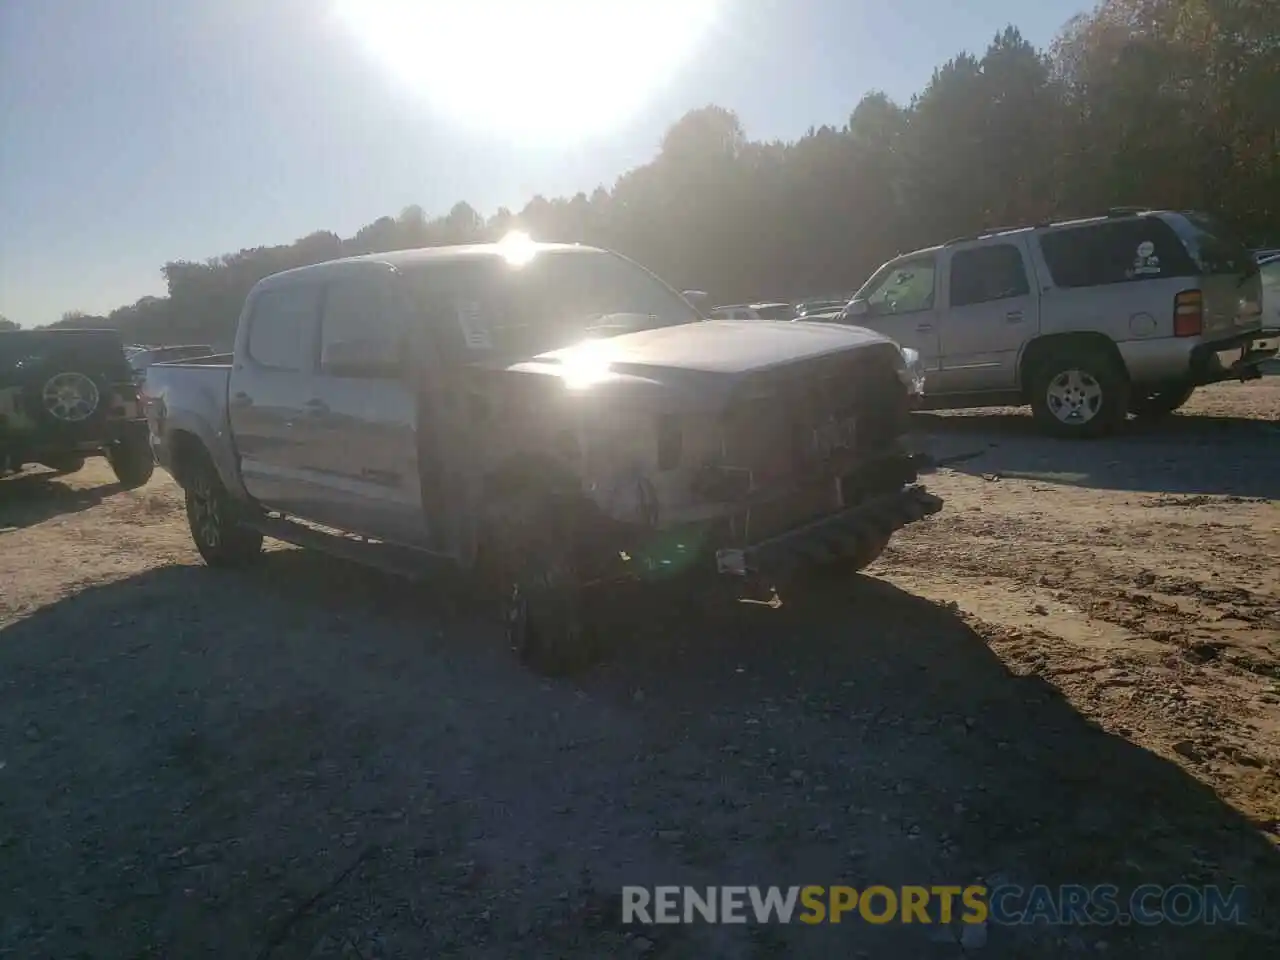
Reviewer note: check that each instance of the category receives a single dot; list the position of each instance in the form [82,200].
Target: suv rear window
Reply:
[1116,251]
[1217,249]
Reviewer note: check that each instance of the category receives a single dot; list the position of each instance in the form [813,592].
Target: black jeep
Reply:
[66,395]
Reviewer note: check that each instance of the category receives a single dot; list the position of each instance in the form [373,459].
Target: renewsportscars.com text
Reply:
[1006,905]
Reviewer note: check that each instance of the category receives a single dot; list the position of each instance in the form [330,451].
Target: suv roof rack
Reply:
[993,231]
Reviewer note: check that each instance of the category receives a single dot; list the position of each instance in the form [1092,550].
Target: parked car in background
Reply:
[66,395]
[754,311]
[1086,320]
[553,420]
[144,357]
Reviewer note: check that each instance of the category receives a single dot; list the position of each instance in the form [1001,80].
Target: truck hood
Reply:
[719,350]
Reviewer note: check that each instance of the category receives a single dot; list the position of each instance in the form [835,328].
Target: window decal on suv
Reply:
[1146,263]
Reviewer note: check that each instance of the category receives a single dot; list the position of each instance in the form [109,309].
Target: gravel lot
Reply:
[1071,675]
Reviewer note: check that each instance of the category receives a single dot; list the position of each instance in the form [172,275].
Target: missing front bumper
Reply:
[832,536]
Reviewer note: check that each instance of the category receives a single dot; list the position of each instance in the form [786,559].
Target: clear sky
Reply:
[133,132]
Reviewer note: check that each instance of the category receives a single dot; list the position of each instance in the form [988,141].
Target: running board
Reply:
[389,558]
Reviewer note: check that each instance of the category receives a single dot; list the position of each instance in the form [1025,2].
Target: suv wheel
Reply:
[1080,393]
[211,514]
[1153,404]
[131,460]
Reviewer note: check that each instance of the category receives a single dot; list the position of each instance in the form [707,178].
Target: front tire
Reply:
[211,514]
[131,460]
[544,603]
[1079,394]
[1155,404]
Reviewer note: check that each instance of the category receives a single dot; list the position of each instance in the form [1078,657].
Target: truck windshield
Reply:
[560,297]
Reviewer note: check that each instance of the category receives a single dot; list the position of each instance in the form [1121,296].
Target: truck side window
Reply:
[360,331]
[906,287]
[986,274]
[282,325]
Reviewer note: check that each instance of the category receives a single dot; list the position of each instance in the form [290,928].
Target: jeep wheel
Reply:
[221,540]
[131,460]
[1154,404]
[1080,393]
[64,465]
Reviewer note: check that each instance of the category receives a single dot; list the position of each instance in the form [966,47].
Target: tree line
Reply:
[1167,103]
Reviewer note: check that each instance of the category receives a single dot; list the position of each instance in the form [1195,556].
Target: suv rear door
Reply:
[993,309]
[1229,281]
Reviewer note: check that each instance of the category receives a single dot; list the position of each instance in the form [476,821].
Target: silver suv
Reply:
[1087,320]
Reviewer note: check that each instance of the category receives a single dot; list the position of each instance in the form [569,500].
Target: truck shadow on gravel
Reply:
[1186,454]
[313,751]
[32,498]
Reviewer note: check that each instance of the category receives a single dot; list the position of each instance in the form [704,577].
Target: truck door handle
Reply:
[924,328]
[317,408]
[241,399]
[1014,316]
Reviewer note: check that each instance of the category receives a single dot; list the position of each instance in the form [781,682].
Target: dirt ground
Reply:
[1070,675]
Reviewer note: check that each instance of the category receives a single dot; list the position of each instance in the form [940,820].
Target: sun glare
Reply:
[545,69]
[518,248]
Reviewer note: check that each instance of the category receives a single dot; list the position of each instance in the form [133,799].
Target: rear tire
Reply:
[131,460]
[211,514]
[1079,394]
[1154,404]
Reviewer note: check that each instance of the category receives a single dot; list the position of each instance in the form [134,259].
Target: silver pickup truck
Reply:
[546,418]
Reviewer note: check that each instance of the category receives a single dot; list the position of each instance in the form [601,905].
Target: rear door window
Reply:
[361,334]
[987,274]
[282,327]
[1117,251]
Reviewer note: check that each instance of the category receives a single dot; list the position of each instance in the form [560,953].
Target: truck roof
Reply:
[422,255]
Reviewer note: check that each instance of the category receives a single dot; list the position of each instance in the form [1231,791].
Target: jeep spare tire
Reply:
[64,397]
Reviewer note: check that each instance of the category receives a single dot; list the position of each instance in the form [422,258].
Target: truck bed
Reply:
[194,391]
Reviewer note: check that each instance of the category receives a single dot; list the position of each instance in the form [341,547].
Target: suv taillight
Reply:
[1188,314]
